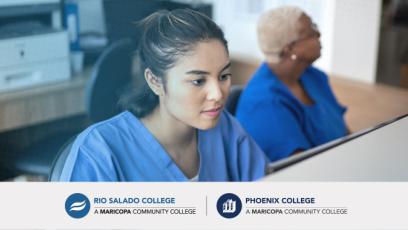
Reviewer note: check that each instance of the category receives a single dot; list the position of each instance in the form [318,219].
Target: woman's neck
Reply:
[169,131]
[288,72]
[177,138]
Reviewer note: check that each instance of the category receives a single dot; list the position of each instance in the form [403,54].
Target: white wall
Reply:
[356,39]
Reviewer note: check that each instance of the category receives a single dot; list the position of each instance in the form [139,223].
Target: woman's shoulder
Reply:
[263,87]
[261,78]
[229,127]
[268,101]
[227,120]
[95,147]
[105,130]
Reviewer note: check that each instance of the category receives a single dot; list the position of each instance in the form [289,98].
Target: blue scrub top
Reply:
[123,149]
[280,123]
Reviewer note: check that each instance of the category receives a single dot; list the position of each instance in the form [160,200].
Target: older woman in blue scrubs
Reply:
[288,105]
[175,128]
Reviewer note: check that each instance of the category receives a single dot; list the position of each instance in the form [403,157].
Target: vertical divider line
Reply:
[205,205]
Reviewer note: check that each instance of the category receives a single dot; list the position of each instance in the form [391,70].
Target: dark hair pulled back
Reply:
[166,35]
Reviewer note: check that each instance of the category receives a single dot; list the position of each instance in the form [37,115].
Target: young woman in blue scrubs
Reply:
[175,128]
[288,105]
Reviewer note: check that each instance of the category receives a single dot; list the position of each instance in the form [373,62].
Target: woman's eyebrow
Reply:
[202,72]
[198,72]
[226,67]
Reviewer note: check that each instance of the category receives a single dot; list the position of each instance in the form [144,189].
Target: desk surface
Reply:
[381,155]
[39,104]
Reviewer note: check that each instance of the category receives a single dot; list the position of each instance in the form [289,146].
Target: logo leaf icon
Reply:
[77,206]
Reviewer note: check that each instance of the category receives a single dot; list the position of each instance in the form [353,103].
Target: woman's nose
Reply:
[214,92]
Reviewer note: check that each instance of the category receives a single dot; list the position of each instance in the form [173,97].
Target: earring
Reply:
[293,57]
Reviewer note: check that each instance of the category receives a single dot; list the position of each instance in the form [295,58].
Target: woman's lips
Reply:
[213,112]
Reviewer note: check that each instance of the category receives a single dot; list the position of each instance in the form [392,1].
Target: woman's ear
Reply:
[286,51]
[155,83]
[289,53]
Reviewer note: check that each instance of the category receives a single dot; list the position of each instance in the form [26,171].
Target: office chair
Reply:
[37,159]
[59,161]
[110,74]
[5,172]
[233,98]
[109,77]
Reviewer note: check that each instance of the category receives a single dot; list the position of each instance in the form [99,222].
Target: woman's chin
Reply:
[207,124]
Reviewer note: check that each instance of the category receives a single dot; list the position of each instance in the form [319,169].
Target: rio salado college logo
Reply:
[77,205]
[229,205]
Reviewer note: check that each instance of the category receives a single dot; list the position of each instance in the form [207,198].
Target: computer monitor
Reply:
[281,164]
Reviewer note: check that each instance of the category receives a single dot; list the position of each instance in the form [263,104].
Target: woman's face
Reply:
[197,87]
[307,46]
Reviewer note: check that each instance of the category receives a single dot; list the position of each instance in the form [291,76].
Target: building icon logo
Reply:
[77,205]
[229,205]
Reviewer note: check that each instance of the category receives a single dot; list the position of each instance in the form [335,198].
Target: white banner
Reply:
[261,205]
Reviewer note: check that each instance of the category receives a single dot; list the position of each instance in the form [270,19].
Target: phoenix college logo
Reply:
[77,205]
[229,205]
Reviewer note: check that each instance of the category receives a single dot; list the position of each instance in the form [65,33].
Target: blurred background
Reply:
[56,54]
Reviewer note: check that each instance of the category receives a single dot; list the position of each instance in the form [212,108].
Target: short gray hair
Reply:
[277,28]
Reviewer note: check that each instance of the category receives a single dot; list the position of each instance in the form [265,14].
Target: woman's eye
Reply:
[198,82]
[225,77]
